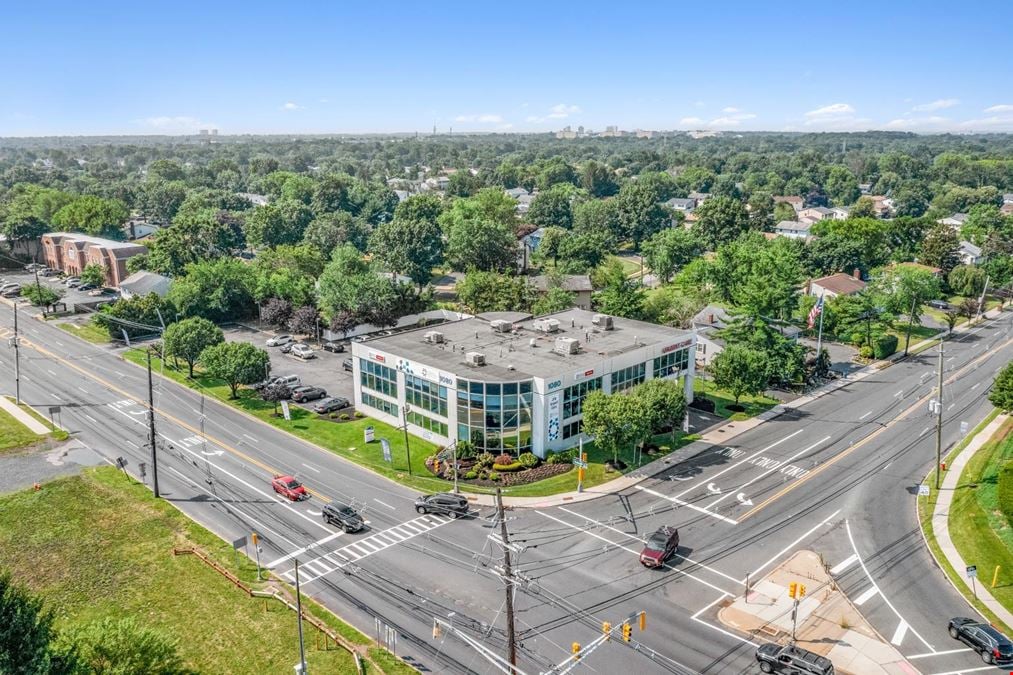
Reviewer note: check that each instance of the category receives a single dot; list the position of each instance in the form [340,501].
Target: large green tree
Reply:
[93,215]
[904,289]
[941,247]
[841,186]
[668,251]
[720,220]
[1001,395]
[618,295]
[494,292]
[188,338]
[409,247]
[639,212]
[218,290]
[666,402]
[616,421]
[553,207]
[235,363]
[741,371]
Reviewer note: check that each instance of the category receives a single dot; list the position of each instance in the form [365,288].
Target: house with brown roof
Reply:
[578,284]
[797,203]
[71,252]
[836,284]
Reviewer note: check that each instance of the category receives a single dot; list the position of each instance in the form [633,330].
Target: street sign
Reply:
[579,463]
[367,434]
[285,411]
[120,462]
[385,445]
[923,490]
[972,571]
[54,410]
[142,469]
[239,543]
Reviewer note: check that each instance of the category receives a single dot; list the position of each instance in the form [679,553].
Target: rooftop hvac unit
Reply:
[603,321]
[433,337]
[567,346]
[501,326]
[546,325]
[474,359]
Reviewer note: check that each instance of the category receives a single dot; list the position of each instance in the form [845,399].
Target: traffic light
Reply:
[793,589]
[606,628]
[801,591]
[627,632]
[643,621]
[255,538]
[575,647]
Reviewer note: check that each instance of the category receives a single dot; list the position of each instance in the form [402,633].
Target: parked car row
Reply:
[301,393]
[289,345]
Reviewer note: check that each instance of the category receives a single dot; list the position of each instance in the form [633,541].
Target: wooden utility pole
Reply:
[939,419]
[151,430]
[509,577]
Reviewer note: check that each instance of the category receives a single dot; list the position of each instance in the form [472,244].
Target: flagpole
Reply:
[819,339]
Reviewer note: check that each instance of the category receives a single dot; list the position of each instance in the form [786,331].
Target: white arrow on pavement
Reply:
[744,500]
[711,488]
[680,476]
[212,453]
[314,513]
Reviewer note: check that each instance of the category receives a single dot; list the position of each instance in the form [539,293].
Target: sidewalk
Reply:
[20,415]
[941,520]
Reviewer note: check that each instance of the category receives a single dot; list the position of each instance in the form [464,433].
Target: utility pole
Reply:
[17,357]
[151,430]
[298,613]
[407,448]
[910,321]
[939,418]
[508,573]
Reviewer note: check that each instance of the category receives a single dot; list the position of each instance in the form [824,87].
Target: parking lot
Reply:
[71,296]
[322,371]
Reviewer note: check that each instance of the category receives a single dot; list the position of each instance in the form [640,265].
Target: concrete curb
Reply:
[20,415]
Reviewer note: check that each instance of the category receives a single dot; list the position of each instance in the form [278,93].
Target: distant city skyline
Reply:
[323,68]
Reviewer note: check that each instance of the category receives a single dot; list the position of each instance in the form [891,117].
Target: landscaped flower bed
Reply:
[489,470]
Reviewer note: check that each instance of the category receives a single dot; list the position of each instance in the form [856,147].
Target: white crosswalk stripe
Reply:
[325,563]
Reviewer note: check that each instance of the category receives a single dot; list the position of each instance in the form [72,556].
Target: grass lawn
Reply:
[98,545]
[55,431]
[346,439]
[14,435]
[89,331]
[754,405]
[975,527]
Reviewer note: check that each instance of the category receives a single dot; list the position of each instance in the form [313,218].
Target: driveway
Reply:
[71,296]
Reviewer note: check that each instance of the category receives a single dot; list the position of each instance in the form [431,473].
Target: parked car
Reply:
[938,304]
[71,282]
[48,272]
[290,381]
[87,287]
[659,547]
[330,404]
[278,340]
[776,658]
[101,291]
[347,365]
[342,516]
[991,645]
[287,348]
[334,347]
[11,291]
[304,394]
[34,267]
[359,338]
[303,351]
[4,285]
[290,488]
[446,503]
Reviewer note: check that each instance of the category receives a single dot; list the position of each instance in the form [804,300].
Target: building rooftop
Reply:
[524,351]
[568,282]
[840,283]
[143,283]
[88,239]
[793,226]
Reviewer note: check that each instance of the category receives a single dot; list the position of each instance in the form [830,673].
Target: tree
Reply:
[834,253]
[27,631]
[720,220]
[283,222]
[481,244]
[599,216]
[863,208]
[111,646]
[616,421]
[1001,395]
[140,316]
[582,251]
[871,234]
[941,247]
[304,320]
[553,207]
[967,280]
[968,308]
[556,299]
[951,316]
[276,311]
[666,402]
[741,371]
[93,274]
[598,180]
[492,292]
[863,311]
[669,250]
[639,213]
[761,212]
[188,338]
[161,199]
[549,243]
[905,289]
[347,284]
[41,296]
[197,237]
[219,290]
[343,322]
[276,393]
[671,307]
[408,247]
[235,363]
[841,186]
[619,295]
[93,215]
[330,230]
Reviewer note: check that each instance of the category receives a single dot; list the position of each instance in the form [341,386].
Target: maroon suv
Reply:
[659,547]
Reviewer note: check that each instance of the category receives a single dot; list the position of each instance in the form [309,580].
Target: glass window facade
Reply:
[425,394]
[428,423]
[378,403]
[378,377]
[572,429]
[495,416]
[628,377]
[671,363]
[574,395]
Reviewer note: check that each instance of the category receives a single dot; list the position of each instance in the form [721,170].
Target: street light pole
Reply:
[17,357]
[408,450]
[298,612]
[939,418]
[151,430]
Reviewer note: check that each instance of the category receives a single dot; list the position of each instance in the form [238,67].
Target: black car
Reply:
[993,646]
[326,405]
[333,347]
[342,516]
[776,658]
[938,304]
[446,503]
[347,365]
[304,394]
[87,287]
[287,348]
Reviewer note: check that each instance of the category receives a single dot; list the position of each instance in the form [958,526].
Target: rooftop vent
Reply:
[475,358]
[546,325]
[501,326]
[603,321]
[566,346]
[433,337]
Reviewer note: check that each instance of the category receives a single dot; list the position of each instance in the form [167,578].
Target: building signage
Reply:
[584,374]
[447,380]
[377,357]
[672,348]
[555,384]
[554,418]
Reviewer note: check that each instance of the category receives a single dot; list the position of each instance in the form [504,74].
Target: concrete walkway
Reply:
[941,528]
[20,415]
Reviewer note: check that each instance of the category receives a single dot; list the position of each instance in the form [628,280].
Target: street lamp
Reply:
[453,446]
[408,450]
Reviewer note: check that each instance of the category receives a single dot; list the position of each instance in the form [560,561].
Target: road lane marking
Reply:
[790,546]
[50,372]
[703,609]
[864,416]
[898,635]
[251,438]
[968,670]
[676,500]
[311,468]
[867,595]
[83,389]
[93,420]
[942,653]
[843,565]
[727,469]
[384,504]
[771,470]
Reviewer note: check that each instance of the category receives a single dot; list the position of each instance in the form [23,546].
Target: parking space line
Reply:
[676,500]
[942,653]
[967,670]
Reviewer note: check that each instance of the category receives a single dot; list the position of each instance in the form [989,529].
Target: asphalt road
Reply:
[837,477]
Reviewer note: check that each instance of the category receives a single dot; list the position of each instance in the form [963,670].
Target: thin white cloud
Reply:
[561,111]
[931,123]
[181,124]
[1003,122]
[836,117]
[730,120]
[1001,108]
[936,105]
[832,110]
[291,106]
[482,119]
[730,109]
[690,121]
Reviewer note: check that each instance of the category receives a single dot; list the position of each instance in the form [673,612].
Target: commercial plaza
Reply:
[507,381]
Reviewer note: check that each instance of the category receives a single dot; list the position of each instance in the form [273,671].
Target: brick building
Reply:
[71,252]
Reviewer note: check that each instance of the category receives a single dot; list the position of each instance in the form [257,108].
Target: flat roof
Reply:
[511,356]
[88,239]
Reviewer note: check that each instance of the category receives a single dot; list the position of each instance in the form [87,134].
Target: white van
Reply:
[288,380]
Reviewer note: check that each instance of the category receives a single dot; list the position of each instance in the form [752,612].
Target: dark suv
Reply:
[343,516]
[444,503]
[790,659]
[993,646]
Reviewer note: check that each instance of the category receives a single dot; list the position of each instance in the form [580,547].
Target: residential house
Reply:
[516,193]
[255,199]
[138,228]
[699,197]
[882,206]
[817,213]
[935,270]
[71,252]
[839,213]
[969,253]
[684,205]
[1007,198]
[956,220]
[836,284]
[142,283]
[794,229]
[797,203]
[865,188]
[706,324]
[578,284]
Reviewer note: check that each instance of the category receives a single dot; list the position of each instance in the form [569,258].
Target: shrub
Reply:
[884,345]
[512,466]
[493,475]
[857,338]
[466,450]
[486,459]
[333,416]
[343,416]
[865,352]
[528,460]
[564,457]
[505,458]
[471,475]
[1006,490]
[358,415]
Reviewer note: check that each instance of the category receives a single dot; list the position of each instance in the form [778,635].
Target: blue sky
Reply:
[310,67]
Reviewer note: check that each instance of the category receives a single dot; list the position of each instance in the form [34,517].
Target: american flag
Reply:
[815,312]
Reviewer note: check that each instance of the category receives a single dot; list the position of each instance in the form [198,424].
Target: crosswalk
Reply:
[319,566]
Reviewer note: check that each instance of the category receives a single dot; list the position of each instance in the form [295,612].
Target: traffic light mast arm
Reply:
[492,657]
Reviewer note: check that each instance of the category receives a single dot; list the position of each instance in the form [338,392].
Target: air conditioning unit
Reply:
[603,321]
[475,358]
[546,325]
[567,346]
[501,326]
[433,337]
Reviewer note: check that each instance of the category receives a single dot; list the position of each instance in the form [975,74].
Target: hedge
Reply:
[512,466]
[884,345]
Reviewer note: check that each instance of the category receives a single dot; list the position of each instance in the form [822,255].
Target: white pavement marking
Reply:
[967,670]
[93,420]
[867,595]
[131,443]
[790,546]
[311,468]
[83,389]
[251,438]
[844,564]
[772,469]
[847,527]
[57,397]
[976,385]
[384,504]
[943,653]
[680,502]
[50,372]
[703,609]
[951,406]
[633,536]
[864,416]
[58,342]
[712,477]
[633,551]
[898,635]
